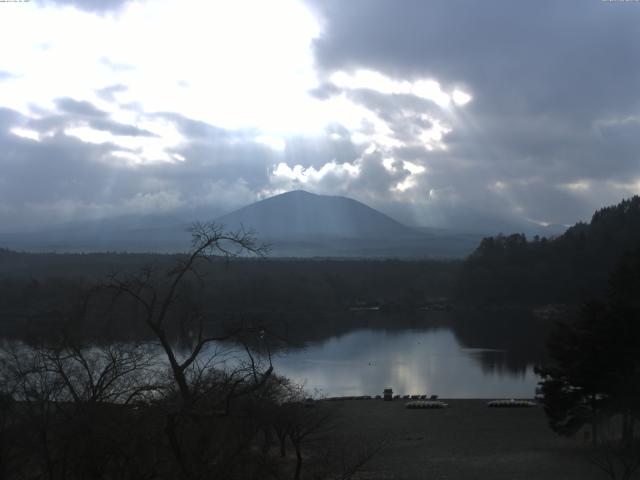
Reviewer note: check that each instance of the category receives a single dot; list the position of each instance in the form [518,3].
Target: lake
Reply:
[452,354]
[430,361]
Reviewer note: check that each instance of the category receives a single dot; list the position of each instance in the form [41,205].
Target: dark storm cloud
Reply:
[109,93]
[552,132]
[223,169]
[62,178]
[8,118]
[117,128]
[87,115]
[194,129]
[556,54]
[240,155]
[57,169]
[315,151]
[406,115]
[235,153]
[324,91]
[75,113]
[553,87]
[77,107]
[227,161]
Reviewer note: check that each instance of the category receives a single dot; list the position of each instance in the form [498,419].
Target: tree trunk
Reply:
[594,421]
[627,429]
[283,447]
[298,462]
[178,374]
[282,438]
[171,432]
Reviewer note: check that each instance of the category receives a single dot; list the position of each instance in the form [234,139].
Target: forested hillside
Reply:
[569,268]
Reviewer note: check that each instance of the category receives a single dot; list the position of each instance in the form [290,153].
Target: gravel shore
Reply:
[468,440]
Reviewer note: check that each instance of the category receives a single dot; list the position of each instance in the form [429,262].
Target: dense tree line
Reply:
[569,268]
[38,288]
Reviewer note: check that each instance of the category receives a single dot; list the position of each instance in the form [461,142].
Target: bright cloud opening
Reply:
[415,169]
[432,138]
[461,98]
[312,175]
[211,61]
[579,186]
[427,89]
[410,180]
[26,133]
[274,143]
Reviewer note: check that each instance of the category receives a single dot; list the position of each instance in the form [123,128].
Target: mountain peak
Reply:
[297,192]
[301,214]
[294,194]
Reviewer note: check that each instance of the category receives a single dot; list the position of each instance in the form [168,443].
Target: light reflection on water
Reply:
[431,362]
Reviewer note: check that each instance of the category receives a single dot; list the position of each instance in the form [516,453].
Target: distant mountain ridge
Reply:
[294,224]
[299,214]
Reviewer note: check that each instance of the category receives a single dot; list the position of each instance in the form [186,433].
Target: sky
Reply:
[448,113]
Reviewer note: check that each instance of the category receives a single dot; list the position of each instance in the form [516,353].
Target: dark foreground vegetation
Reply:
[73,410]
[593,378]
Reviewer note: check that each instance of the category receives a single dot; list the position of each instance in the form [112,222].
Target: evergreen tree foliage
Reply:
[594,374]
[569,268]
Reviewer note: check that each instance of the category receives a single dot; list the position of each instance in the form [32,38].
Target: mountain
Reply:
[294,224]
[303,224]
[303,215]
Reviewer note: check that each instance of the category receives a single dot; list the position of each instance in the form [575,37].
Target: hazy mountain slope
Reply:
[294,224]
[299,214]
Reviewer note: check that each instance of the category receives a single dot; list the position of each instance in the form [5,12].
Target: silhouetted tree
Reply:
[69,407]
[594,376]
[570,268]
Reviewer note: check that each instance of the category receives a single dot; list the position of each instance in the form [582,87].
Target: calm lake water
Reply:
[411,361]
[457,354]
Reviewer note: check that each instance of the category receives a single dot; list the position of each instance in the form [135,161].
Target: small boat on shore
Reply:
[511,403]
[426,404]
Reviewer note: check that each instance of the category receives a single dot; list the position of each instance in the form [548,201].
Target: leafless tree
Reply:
[68,401]
[313,430]
[206,391]
[157,295]
[616,451]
